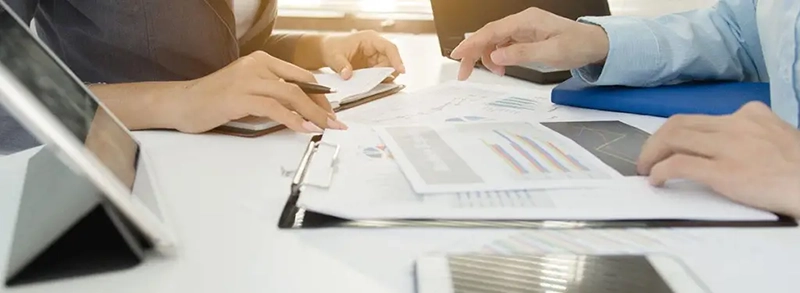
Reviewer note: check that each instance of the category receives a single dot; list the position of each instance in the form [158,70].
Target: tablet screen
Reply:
[67,100]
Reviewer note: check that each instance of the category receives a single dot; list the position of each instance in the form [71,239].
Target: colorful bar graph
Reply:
[515,103]
[507,158]
[524,153]
[544,153]
[570,158]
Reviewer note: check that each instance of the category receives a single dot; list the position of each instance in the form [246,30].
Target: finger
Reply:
[341,65]
[302,103]
[681,141]
[494,33]
[322,101]
[656,149]
[267,107]
[283,69]
[486,59]
[681,166]
[546,52]
[466,67]
[390,50]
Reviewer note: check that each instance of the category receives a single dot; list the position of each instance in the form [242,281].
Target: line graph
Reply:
[615,143]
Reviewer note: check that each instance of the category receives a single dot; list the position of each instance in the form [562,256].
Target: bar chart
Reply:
[513,104]
[534,155]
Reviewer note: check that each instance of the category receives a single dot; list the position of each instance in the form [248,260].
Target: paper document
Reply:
[457,101]
[367,184]
[490,156]
[363,81]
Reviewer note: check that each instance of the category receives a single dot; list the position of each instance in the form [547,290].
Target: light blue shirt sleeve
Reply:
[716,43]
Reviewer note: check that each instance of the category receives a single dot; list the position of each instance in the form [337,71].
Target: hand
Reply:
[252,86]
[533,35]
[751,156]
[363,49]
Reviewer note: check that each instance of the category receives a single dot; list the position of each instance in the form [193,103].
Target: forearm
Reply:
[695,45]
[304,50]
[146,105]
[308,52]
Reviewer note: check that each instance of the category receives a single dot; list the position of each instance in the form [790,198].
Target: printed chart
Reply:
[481,156]
[615,143]
[529,153]
[377,152]
[514,104]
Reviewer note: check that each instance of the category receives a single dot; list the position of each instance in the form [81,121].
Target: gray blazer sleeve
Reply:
[25,9]
[282,46]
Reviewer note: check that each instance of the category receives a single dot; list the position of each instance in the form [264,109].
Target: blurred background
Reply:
[414,16]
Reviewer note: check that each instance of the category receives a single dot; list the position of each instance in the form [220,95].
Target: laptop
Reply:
[80,139]
[455,19]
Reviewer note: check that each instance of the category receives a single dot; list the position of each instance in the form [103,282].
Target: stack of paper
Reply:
[472,168]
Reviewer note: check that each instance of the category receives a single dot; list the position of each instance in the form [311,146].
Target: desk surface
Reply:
[225,195]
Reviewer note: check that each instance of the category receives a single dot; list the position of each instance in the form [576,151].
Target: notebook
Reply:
[709,98]
[364,86]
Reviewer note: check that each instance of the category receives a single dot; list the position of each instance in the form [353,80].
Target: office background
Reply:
[414,16]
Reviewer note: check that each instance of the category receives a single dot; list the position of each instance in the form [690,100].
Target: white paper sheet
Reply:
[362,81]
[491,156]
[368,184]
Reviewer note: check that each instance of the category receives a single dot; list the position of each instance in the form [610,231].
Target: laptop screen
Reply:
[67,100]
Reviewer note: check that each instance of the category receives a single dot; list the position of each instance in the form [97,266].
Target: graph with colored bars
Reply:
[513,105]
[531,157]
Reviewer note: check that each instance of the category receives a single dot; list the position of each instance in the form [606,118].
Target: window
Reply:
[375,7]
[411,16]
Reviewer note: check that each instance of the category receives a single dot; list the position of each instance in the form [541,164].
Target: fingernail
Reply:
[311,127]
[402,69]
[499,57]
[336,124]
[346,71]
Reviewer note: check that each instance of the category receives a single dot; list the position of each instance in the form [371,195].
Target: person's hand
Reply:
[252,86]
[364,49]
[533,35]
[751,156]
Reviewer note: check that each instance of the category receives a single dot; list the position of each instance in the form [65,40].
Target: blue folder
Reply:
[710,98]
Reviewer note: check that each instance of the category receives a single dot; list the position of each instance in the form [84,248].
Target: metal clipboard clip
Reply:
[322,165]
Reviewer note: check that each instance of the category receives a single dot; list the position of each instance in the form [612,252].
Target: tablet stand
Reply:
[99,240]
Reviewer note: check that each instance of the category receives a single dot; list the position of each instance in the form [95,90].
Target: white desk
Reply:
[226,194]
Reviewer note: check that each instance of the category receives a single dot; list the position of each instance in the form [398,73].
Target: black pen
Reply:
[311,88]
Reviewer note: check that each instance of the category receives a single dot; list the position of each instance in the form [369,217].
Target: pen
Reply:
[311,88]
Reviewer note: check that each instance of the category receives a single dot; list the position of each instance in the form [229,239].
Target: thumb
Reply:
[341,65]
[516,54]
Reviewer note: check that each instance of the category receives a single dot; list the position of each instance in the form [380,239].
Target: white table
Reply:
[225,195]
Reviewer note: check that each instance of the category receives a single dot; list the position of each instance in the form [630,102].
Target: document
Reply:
[364,81]
[368,184]
[456,101]
[491,156]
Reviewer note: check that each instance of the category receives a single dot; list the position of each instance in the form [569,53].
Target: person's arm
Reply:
[719,43]
[144,105]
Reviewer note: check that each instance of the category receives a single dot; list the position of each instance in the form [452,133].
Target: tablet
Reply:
[48,100]
[490,273]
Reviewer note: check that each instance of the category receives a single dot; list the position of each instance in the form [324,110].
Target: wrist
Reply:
[599,44]
[169,107]
[309,53]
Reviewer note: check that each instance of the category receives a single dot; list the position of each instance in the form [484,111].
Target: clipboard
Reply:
[227,130]
[296,217]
